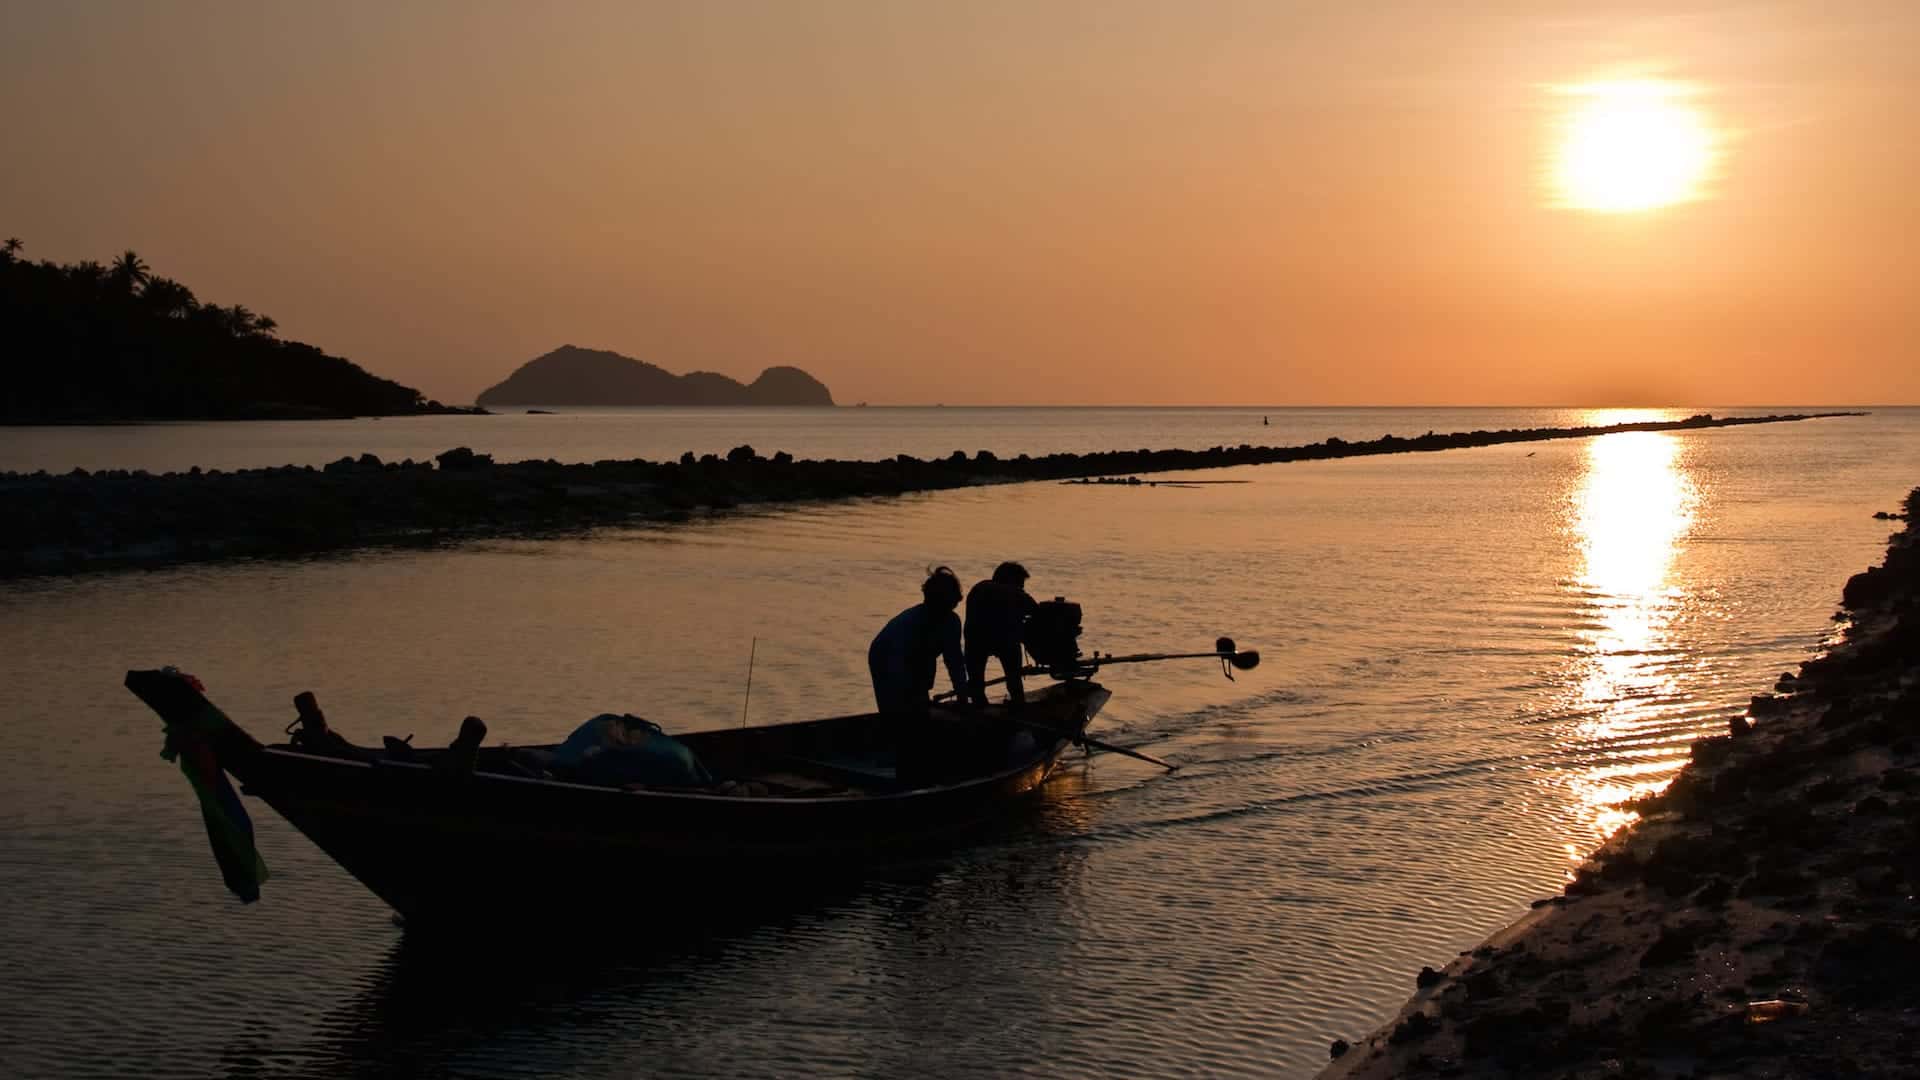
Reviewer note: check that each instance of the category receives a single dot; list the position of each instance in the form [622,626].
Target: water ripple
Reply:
[1471,661]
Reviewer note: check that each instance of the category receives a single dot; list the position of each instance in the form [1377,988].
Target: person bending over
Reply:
[997,609]
[902,661]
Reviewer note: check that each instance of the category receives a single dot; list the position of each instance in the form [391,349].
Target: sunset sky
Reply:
[1127,203]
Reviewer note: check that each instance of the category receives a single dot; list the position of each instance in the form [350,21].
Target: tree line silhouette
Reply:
[88,342]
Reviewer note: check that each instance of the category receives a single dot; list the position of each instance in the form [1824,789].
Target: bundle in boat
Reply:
[618,750]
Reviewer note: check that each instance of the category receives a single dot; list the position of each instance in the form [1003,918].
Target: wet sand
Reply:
[1758,921]
[80,521]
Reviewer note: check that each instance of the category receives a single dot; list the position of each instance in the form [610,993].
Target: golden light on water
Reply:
[1635,506]
[1630,516]
[1631,145]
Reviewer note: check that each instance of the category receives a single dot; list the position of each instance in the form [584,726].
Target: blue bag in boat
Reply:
[621,750]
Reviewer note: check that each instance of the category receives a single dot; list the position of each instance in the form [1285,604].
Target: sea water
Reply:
[1473,660]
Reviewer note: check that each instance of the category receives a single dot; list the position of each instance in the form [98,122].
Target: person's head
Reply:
[1011,573]
[941,589]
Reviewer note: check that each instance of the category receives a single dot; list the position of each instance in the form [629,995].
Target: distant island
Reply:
[88,343]
[570,375]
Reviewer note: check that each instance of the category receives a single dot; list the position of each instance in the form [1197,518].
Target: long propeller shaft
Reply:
[1230,656]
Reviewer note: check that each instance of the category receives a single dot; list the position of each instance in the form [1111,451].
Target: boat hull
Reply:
[442,846]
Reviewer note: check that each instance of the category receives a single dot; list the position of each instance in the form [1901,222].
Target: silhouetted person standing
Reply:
[997,610]
[902,660]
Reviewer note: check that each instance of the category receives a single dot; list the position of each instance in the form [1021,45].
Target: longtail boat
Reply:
[445,835]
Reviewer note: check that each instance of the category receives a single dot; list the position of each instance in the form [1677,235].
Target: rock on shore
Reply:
[79,520]
[1759,921]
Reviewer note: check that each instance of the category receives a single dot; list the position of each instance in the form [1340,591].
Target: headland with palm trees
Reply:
[88,342]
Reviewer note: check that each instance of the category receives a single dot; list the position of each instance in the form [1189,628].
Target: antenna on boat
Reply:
[751,650]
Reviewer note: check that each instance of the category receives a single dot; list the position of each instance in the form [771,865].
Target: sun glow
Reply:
[1630,146]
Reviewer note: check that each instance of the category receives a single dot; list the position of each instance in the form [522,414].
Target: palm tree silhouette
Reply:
[129,271]
[87,272]
[240,320]
[10,249]
[168,297]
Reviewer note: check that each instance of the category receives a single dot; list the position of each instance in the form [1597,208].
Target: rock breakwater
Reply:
[80,520]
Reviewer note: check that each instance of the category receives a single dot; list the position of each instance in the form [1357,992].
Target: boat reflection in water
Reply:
[1630,515]
[563,997]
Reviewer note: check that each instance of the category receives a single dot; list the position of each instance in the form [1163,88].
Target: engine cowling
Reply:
[1052,636]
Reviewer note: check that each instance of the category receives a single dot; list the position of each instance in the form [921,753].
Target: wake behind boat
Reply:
[450,834]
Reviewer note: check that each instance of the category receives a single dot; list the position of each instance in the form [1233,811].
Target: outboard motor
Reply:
[1052,636]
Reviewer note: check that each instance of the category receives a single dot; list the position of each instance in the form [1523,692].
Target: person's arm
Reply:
[950,652]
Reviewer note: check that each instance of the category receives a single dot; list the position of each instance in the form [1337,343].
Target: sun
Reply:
[1630,146]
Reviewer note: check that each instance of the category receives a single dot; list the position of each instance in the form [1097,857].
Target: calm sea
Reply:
[1472,658]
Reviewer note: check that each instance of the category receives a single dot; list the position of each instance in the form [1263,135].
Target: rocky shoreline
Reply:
[79,521]
[1758,921]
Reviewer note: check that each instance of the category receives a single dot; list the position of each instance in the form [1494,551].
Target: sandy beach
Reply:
[1758,921]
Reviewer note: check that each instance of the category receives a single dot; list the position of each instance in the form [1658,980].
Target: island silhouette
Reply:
[93,343]
[570,375]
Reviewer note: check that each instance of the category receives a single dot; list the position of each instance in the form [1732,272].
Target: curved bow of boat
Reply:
[206,744]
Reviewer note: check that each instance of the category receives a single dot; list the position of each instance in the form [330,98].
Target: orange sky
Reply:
[1096,202]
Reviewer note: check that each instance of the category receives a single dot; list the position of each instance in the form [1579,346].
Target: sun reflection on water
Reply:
[1630,515]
